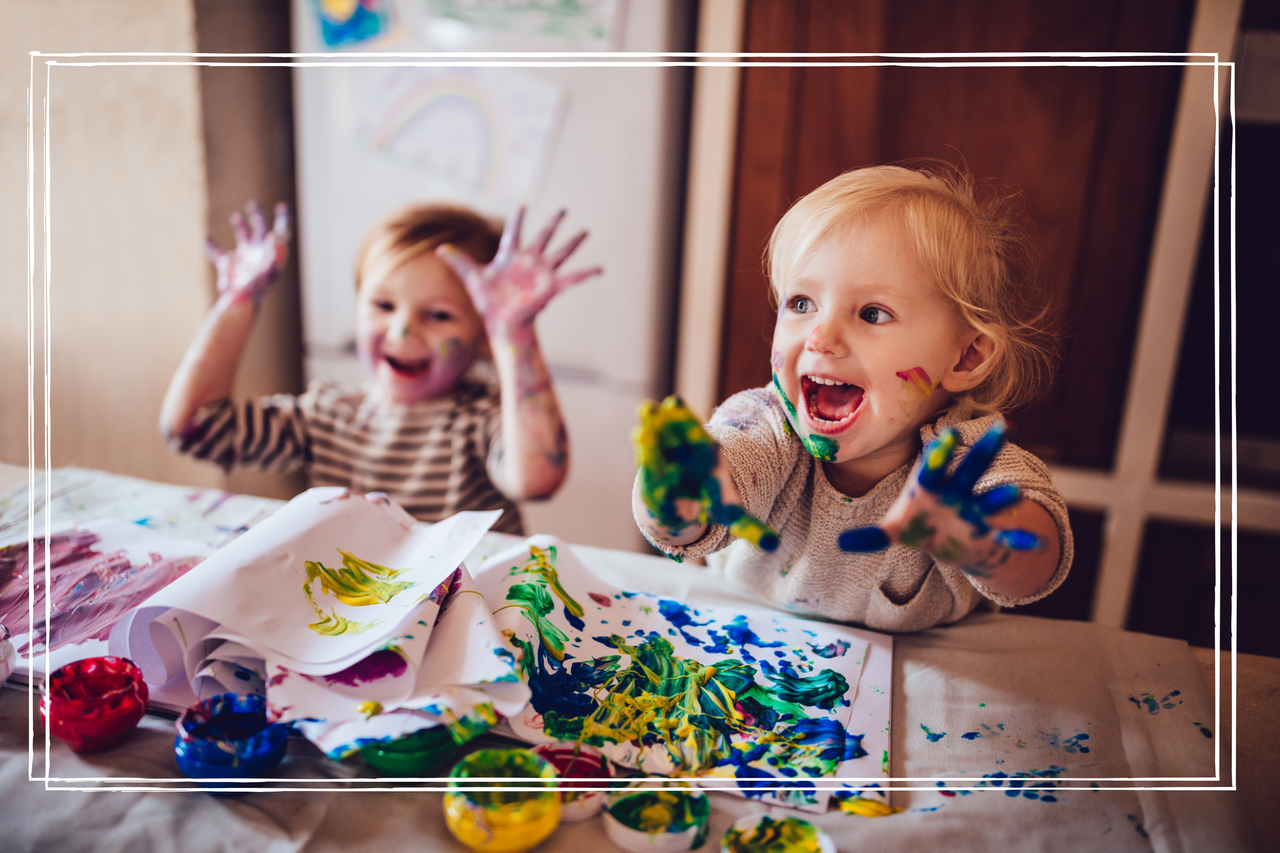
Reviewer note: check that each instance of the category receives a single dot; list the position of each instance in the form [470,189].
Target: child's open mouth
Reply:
[831,405]
[408,368]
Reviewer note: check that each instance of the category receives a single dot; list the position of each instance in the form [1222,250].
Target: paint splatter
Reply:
[698,716]
[933,737]
[831,650]
[384,663]
[91,589]
[358,583]
[1153,705]
[1204,730]
[1027,784]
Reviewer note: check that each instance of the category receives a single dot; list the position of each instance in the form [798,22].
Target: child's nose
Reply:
[824,338]
[399,327]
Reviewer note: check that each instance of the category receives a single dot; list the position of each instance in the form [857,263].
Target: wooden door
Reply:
[1086,147]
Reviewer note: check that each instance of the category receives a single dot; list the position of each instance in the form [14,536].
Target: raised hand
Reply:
[943,516]
[249,270]
[518,283]
[679,480]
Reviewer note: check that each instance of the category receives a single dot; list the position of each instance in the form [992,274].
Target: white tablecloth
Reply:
[1009,732]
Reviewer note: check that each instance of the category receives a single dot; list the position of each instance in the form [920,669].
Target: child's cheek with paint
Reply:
[917,387]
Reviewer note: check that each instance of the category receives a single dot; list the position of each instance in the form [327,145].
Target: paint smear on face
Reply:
[91,589]
[919,387]
[820,447]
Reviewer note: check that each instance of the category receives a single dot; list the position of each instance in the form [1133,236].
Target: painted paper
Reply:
[347,613]
[96,572]
[485,132]
[750,701]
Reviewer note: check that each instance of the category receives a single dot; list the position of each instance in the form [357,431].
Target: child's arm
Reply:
[245,275]
[1010,544]
[508,293]
[683,485]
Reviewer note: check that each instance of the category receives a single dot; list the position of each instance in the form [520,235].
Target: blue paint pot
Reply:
[229,737]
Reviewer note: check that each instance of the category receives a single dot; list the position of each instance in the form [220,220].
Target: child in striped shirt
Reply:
[460,414]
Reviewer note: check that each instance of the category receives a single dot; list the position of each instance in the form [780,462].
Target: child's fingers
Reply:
[540,242]
[568,249]
[863,539]
[564,282]
[212,250]
[462,263]
[978,460]
[257,224]
[755,531]
[239,227]
[510,236]
[1000,498]
[934,459]
[280,227]
[1018,540]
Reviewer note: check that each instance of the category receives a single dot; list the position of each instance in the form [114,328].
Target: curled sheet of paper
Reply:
[329,606]
[755,702]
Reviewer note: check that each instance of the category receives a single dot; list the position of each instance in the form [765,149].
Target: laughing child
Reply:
[443,303]
[870,482]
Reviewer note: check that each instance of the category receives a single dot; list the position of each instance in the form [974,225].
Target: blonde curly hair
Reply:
[975,250]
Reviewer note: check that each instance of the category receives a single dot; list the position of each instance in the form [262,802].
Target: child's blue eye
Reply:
[875,315]
[800,304]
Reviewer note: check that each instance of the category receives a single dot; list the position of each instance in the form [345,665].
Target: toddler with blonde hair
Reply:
[871,481]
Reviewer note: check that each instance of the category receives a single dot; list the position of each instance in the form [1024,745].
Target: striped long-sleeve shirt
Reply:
[434,457]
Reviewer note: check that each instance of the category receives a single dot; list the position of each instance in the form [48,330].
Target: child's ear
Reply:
[976,360]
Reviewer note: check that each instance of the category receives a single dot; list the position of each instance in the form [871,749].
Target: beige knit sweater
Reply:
[900,589]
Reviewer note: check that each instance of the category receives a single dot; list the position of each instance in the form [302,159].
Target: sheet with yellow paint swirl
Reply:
[753,701]
[327,582]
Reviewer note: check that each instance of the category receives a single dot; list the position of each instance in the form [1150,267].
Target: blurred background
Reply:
[346,109]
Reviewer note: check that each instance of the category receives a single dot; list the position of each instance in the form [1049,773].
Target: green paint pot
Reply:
[422,753]
[762,833]
[668,817]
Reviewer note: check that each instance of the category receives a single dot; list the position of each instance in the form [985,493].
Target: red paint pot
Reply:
[583,762]
[95,703]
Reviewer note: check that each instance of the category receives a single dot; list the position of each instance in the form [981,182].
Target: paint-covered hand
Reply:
[681,479]
[511,289]
[249,270]
[940,513]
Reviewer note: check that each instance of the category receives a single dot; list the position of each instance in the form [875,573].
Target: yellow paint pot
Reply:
[502,800]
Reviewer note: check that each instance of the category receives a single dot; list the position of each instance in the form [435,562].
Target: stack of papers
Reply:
[332,607]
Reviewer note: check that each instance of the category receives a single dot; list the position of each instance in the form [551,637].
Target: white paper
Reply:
[786,693]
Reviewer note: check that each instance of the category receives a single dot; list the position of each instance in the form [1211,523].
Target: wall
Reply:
[128,211]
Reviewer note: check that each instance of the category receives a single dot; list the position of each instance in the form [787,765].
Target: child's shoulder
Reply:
[751,409]
[1011,460]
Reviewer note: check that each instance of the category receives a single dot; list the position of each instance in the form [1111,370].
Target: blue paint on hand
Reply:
[863,539]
